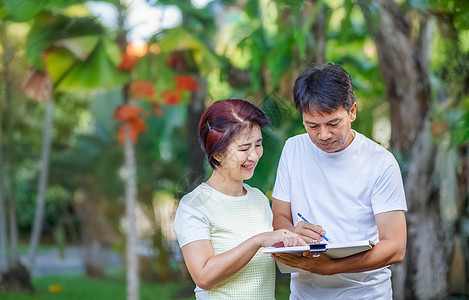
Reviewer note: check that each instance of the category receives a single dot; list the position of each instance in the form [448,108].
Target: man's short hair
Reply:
[323,89]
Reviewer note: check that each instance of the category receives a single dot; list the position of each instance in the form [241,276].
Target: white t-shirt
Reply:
[206,214]
[342,192]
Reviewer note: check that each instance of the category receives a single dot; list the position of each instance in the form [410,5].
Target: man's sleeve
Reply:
[388,191]
[282,182]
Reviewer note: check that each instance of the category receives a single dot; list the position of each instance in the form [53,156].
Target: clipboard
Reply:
[333,251]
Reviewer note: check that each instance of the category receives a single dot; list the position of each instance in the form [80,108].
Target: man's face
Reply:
[330,132]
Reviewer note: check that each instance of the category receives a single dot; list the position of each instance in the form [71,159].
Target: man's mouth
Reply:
[327,145]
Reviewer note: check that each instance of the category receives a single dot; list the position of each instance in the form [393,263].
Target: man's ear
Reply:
[353,112]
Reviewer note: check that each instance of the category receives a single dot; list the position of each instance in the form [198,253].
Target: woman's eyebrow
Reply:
[249,144]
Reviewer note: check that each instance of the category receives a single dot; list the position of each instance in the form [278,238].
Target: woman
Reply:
[222,223]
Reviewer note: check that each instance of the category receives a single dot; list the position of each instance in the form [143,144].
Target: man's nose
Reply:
[324,133]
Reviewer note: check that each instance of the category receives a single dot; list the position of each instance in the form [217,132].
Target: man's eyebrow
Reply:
[330,121]
[248,144]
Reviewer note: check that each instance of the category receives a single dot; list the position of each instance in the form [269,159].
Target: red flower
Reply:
[127,62]
[177,61]
[129,115]
[142,89]
[126,113]
[171,98]
[185,82]
[158,110]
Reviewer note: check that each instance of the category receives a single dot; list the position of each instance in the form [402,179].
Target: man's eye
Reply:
[243,149]
[334,125]
[259,145]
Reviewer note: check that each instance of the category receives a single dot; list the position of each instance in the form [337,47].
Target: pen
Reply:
[323,236]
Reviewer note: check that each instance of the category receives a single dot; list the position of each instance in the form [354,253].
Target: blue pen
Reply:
[323,236]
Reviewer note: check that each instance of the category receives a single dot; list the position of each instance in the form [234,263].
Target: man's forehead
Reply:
[338,114]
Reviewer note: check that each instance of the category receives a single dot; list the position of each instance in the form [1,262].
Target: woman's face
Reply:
[240,158]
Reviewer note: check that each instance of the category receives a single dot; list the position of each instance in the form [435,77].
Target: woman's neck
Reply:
[225,185]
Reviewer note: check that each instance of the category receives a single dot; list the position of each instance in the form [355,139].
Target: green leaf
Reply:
[24,10]
[96,72]
[180,39]
[3,12]
[112,51]
[81,47]
[58,62]
[461,16]
[44,30]
[48,28]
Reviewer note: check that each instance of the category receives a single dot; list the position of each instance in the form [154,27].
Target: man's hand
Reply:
[312,262]
[310,233]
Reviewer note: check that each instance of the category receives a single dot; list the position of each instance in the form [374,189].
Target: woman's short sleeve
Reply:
[191,222]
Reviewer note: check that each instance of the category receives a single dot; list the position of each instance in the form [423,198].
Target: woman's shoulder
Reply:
[196,196]
[255,192]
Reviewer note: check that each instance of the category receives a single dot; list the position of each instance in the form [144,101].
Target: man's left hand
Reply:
[312,262]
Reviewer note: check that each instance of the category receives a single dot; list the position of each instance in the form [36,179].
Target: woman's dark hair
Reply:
[323,89]
[222,121]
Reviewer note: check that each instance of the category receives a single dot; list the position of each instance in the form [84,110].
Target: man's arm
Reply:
[310,233]
[389,250]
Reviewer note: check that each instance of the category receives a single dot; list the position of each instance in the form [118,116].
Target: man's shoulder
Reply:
[297,139]
[373,150]
[372,145]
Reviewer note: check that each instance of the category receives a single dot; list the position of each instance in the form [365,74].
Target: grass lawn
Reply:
[78,287]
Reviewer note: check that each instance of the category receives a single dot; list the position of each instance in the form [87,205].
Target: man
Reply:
[348,187]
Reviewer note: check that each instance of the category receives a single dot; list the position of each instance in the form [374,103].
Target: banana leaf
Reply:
[96,72]
[180,39]
[48,28]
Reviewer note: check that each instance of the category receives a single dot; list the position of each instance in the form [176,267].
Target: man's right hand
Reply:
[310,233]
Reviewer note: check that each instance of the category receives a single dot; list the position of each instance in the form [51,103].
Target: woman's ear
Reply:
[218,156]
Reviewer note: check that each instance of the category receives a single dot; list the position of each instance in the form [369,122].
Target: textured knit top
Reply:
[206,214]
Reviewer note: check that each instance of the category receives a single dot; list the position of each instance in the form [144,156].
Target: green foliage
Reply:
[457,10]
[180,38]
[285,122]
[98,71]
[22,10]
[77,287]
[25,10]
[48,28]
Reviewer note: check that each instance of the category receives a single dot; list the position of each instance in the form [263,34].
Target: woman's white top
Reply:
[206,214]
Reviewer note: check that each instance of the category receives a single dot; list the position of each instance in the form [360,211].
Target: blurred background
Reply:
[100,102]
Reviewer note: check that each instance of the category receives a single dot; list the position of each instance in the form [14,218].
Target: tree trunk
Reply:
[3,223]
[424,273]
[319,33]
[3,207]
[404,69]
[41,195]
[16,276]
[130,206]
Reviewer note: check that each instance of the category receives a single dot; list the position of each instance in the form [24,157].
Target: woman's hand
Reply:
[281,237]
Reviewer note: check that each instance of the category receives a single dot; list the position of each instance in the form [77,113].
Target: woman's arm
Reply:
[208,269]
